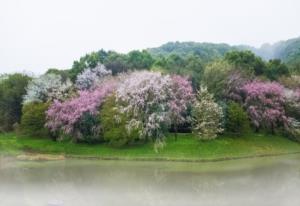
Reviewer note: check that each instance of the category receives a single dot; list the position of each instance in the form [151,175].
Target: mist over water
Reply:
[262,181]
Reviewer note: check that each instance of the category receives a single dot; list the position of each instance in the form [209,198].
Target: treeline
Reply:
[287,51]
[190,63]
[138,97]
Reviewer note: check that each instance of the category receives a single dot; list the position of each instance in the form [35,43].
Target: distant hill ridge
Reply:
[288,51]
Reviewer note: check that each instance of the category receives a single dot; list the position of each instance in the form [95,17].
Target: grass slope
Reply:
[186,148]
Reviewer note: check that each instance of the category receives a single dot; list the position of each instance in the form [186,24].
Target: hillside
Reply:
[288,51]
[206,51]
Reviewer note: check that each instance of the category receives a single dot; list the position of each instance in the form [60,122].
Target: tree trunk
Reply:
[175,130]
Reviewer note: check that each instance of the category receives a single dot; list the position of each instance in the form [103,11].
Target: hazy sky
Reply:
[40,34]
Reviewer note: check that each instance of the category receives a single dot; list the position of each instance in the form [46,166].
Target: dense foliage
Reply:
[140,96]
[287,51]
[115,62]
[247,61]
[237,121]
[114,124]
[12,89]
[68,115]
[34,119]
[215,77]
[206,51]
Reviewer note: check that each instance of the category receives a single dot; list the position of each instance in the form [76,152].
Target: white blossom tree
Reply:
[146,96]
[91,77]
[47,88]
[207,116]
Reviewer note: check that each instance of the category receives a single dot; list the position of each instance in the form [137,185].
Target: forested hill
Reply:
[207,51]
[288,51]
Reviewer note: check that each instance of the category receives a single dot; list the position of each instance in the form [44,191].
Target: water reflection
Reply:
[263,181]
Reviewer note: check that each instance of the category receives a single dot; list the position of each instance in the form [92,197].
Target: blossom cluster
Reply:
[154,102]
[207,116]
[182,96]
[47,88]
[91,77]
[265,104]
[64,115]
[145,95]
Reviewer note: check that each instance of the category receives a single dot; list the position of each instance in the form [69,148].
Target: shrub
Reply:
[87,129]
[237,119]
[114,124]
[207,116]
[34,119]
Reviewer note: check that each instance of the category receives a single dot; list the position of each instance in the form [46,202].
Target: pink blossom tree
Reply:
[64,115]
[264,102]
[181,98]
[234,84]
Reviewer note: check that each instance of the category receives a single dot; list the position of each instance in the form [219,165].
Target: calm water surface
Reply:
[263,181]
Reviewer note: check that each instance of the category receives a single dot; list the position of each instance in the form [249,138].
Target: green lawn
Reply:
[185,148]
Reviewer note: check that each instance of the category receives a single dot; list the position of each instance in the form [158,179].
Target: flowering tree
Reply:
[291,82]
[207,116]
[92,77]
[146,96]
[181,98]
[47,88]
[234,84]
[265,104]
[292,129]
[65,115]
[292,103]
[292,109]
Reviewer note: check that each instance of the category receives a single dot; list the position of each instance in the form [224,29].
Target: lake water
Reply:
[263,181]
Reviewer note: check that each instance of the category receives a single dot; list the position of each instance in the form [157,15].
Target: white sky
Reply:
[40,34]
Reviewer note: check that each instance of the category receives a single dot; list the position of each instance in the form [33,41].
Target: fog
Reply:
[36,35]
[262,181]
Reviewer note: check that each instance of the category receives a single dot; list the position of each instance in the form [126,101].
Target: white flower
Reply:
[47,88]
[91,77]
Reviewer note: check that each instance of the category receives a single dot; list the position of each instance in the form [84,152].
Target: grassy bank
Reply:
[186,148]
